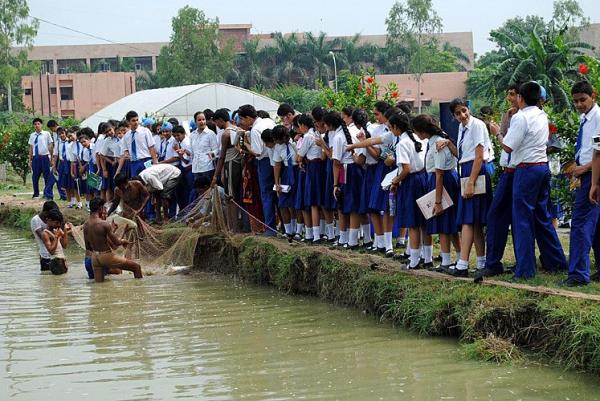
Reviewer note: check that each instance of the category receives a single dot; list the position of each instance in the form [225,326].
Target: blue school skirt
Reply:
[380,198]
[446,222]
[367,188]
[474,210]
[73,180]
[412,188]
[300,182]
[126,169]
[288,200]
[329,202]
[313,183]
[351,189]
[64,174]
[109,182]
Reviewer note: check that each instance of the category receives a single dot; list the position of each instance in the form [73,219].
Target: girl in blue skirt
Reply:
[285,172]
[412,176]
[324,140]
[441,168]
[347,180]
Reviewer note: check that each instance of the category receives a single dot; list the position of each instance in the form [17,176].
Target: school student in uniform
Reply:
[471,150]
[182,147]
[137,145]
[441,167]
[526,143]
[347,180]
[87,163]
[40,152]
[110,152]
[75,182]
[584,221]
[61,163]
[52,126]
[324,140]
[285,173]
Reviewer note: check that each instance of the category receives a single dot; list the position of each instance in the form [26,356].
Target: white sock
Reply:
[401,241]
[316,231]
[299,228]
[353,237]
[378,241]
[481,262]
[446,260]
[330,231]
[336,231]
[428,253]
[343,237]
[366,228]
[309,233]
[288,228]
[73,201]
[293,224]
[415,256]
[322,225]
[388,241]
[462,264]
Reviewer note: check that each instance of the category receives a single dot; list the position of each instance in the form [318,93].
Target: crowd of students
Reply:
[317,177]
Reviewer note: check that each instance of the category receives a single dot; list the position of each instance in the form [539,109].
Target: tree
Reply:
[15,29]
[317,56]
[413,23]
[195,53]
[248,71]
[353,55]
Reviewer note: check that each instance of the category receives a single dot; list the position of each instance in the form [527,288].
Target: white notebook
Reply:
[387,180]
[479,185]
[427,202]
[284,188]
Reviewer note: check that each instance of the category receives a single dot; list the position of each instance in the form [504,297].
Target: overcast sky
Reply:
[150,20]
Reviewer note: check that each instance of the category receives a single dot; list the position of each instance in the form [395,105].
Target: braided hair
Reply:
[361,118]
[428,125]
[402,122]
[335,121]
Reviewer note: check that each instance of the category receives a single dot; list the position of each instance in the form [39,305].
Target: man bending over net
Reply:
[131,194]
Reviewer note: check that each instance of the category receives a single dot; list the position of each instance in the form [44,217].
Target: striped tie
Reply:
[460,143]
[133,147]
[36,151]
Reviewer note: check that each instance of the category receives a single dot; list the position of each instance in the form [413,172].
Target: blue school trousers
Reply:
[531,222]
[267,195]
[498,222]
[40,166]
[136,167]
[584,224]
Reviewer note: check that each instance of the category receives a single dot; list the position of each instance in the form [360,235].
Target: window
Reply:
[426,103]
[105,67]
[66,93]
[53,91]
[28,91]
[138,67]
[62,71]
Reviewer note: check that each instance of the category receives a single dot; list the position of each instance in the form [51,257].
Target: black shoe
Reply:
[401,257]
[571,282]
[407,266]
[350,247]
[437,258]
[428,266]
[389,253]
[595,276]
[297,237]
[367,245]
[447,269]
[459,273]
[481,273]
[317,242]
[290,238]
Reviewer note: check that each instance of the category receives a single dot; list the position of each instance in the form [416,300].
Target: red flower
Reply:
[553,128]
[394,94]
[369,91]
[583,69]
[370,80]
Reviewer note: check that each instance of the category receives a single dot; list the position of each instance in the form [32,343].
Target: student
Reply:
[60,165]
[182,146]
[249,119]
[285,173]
[230,159]
[347,180]
[54,239]
[137,146]
[75,182]
[53,128]
[40,152]
[286,113]
[123,164]
[526,144]
[472,210]
[110,152]
[161,182]
[87,164]
[584,221]
[441,167]
[324,140]
[204,148]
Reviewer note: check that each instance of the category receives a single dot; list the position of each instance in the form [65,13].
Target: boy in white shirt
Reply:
[40,151]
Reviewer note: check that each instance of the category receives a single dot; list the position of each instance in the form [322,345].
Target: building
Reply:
[75,95]
[435,87]
[591,34]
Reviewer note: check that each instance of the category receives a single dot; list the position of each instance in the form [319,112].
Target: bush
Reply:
[299,98]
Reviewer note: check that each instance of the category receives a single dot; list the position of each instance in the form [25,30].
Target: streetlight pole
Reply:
[334,71]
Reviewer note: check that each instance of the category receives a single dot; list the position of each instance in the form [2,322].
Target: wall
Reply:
[436,87]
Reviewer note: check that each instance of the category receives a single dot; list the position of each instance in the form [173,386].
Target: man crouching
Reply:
[100,240]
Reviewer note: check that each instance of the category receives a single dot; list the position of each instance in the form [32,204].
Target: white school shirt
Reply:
[37,223]
[170,152]
[528,135]
[309,147]
[111,147]
[407,154]
[219,136]
[87,154]
[61,150]
[157,139]
[438,159]
[143,143]
[73,151]
[185,160]
[280,153]
[476,134]
[43,145]
[157,175]
[203,148]
[338,145]
[591,128]
[380,130]
[260,124]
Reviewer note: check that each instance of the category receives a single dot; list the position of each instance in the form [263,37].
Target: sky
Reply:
[150,20]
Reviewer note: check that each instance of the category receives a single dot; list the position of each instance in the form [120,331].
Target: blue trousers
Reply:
[184,188]
[531,221]
[583,236]
[136,167]
[40,166]
[267,195]
[498,222]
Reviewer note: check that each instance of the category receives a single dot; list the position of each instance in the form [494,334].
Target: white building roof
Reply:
[182,102]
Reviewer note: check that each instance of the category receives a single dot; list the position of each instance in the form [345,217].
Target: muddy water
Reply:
[200,337]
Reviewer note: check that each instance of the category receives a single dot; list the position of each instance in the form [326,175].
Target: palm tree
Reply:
[285,60]
[355,56]
[316,56]
[247,71]
[462,60]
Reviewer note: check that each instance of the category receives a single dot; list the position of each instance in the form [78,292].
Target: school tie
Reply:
[64,151]
[36,151]
[78,147]
[290,166]
[133,147]
[462,138]
[161,149]
[579,140]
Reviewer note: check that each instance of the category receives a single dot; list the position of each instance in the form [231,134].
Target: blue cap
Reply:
[146,121]
[167,126]
[543,93]
[193,125]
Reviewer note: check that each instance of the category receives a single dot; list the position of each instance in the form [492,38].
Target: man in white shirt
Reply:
[40,151]
[137,145]
[161,181]
[525,142]
[250,119]
[53,127]
[204,148]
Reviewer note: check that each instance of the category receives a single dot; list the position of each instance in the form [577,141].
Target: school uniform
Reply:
[329,201]
[55,141]
[314,167]
[187,182]
[73,155]
[442,160]
[474,134]
[413,186]
[286,155]
[300,182]
[584,221]
[87,158]
[62,168]
[40,163]
[350,175]
[378,198]
[111,150]
[162,148]
[527,137]
[138,144]
[204,148]
[264,170]
[98,146]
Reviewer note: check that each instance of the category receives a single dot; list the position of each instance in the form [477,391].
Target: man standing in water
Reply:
[99,242]
[133,193]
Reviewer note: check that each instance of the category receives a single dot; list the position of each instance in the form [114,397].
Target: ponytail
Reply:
[418,145]
[361,119]
[335,121]
[346,133]
[428,125]
[402,122]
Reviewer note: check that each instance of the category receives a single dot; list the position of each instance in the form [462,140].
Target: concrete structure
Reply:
[75,95]
[591,35]
[435,87]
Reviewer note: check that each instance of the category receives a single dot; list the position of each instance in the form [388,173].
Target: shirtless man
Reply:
[133,193]
[99,242]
